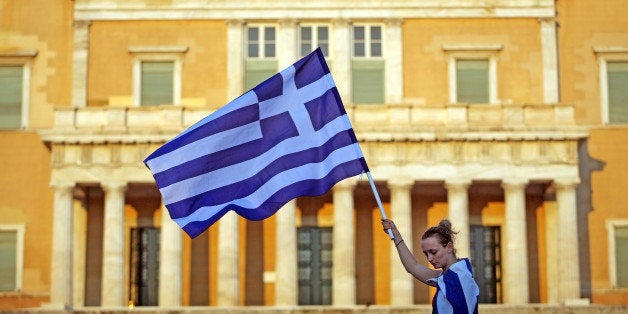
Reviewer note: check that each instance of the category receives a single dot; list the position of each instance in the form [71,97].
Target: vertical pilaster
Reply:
[567,238]
[343,274]
[287,42]
[235,57]
[228,260]
[549,54]
[79,62]
[79,236]
[286,284]
[170,263]
[401,285]
[394,59]
[516,287]
[458,202]
[113,285]
[61,268]
[341,57]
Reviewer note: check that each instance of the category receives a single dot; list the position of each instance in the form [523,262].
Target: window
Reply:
[617,76]
[261,62]
[156,83]
[472,73]
[618,252]
[367,66]
[11,254]
[472,85]
[157,74]
[13,96]
[312,37]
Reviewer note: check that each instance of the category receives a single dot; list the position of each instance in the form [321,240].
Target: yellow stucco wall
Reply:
[425,63]
[609,188]
[204,64]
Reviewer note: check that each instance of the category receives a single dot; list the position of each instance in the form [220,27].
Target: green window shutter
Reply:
[157,83]
[258,71]
[8,258]
[368,81]
[11,78]
[621,255]
[472,81]
[617,92]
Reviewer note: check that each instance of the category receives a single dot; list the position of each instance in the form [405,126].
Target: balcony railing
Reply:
[157,123]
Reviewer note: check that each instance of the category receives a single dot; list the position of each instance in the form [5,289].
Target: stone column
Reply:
[515,280]
[343,282]
[170,263]
[340,63]
[286,43]
[549,53]
[235,55]
[287,281]
[567,239]
[228,260]
[394,59]
[80,61]
[113,284]
[79,236]
[458,202]
[61,268]
[402,284]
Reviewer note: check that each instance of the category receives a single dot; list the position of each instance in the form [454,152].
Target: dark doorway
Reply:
[486,261]
[144,284]
[315,265]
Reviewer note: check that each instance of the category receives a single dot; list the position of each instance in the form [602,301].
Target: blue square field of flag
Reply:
[287,137]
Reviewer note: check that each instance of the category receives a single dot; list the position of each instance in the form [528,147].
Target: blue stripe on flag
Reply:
[287,137]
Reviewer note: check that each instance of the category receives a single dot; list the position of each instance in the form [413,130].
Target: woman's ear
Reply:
[450,246]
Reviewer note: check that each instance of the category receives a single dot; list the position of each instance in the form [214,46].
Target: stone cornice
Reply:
[324,9]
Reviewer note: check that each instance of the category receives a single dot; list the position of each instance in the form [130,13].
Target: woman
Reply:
[456,291]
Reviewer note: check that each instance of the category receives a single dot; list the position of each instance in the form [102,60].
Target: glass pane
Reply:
[306,33]
[376,33]
[621,253]
[472,81]
[376,49]
[358,33]
[11,96]
[8,258]
[617,92]
[323,33]
[253,42]
[157,83]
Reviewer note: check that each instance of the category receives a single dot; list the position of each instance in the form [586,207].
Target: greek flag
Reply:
[287,137]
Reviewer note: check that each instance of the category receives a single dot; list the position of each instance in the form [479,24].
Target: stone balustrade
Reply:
[365,118]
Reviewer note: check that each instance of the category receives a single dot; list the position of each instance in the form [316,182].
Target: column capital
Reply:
[457,183]
[401,183]
[62,185]
[514,183]
[287,22]
[394,22]
[235,22]
[348,183]
[340,22]
[113,185]
[566,183]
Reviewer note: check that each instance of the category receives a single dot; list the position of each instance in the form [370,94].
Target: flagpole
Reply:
[379,202]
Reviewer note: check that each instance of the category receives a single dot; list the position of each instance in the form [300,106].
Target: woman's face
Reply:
[437,254]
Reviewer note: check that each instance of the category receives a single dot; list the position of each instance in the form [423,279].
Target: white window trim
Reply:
[157,53]
[488,52]
[611,224]
[262,41]
[22,58]
[315,37]
[367,41]
[19,254]
[607,54]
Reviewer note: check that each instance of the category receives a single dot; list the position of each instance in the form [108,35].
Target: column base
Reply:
[56,306]
[577,302]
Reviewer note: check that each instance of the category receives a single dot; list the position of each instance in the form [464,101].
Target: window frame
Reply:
[261,51]
[24,59]
[606,55]
[315,41]
[368,40]
[456,52]
[19,254]
[611,225]
[142,54]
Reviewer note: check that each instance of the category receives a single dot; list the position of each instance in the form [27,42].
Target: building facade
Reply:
[506,117]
